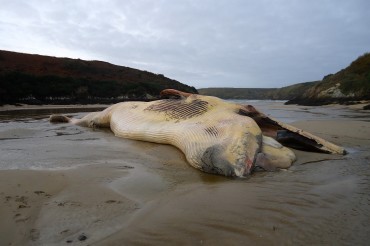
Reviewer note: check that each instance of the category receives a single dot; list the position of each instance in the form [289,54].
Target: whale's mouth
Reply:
[288,135]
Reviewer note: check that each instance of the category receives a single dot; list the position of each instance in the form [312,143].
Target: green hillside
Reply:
[349,84]
[346,86]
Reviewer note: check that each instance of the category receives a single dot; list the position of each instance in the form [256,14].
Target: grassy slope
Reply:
[353,83]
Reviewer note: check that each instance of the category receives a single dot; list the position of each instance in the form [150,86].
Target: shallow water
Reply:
[292,113]
[326,202]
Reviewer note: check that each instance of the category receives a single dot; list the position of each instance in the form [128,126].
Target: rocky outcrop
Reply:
[348,85]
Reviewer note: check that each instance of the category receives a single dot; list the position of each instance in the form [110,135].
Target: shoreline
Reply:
[132,192]
[11,108]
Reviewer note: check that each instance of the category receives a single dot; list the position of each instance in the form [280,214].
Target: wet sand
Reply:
[66,185]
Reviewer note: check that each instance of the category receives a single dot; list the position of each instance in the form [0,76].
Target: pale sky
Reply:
[203,43]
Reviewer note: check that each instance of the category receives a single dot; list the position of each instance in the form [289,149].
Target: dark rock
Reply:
[23,206]
[366,107]
[82,237]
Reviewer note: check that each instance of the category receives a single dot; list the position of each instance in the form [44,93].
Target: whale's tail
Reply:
[58,118]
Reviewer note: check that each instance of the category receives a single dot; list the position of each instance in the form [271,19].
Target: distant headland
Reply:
[348,86]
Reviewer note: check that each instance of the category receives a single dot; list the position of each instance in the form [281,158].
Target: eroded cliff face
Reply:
[334,92]
[349,84]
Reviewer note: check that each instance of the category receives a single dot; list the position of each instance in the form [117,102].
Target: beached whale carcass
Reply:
[216,136]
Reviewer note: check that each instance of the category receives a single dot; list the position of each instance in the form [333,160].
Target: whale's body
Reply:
[216,136]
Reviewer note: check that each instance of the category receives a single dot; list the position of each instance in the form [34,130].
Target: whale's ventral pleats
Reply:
[179,109]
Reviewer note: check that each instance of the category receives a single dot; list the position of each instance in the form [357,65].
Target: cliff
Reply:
[36,79]
[348,85]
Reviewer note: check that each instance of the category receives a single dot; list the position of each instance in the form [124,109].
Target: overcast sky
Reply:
[203,43]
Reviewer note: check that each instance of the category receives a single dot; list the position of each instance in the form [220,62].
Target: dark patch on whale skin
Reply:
[213,162]
[212,130]
[180,109]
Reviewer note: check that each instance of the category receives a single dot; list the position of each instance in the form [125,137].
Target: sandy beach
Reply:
[66,185]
